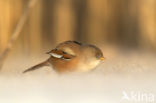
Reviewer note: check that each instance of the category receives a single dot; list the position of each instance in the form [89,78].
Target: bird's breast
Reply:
[87,66]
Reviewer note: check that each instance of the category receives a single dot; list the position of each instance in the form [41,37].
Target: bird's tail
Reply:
[45,63]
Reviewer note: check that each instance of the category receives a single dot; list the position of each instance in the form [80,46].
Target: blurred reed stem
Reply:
[16,32]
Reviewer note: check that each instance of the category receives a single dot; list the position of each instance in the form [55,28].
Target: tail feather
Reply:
[36,66]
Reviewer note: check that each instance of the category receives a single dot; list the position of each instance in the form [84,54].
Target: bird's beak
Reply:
[102,58]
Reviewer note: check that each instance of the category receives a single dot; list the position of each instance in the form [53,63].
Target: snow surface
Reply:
[133,71]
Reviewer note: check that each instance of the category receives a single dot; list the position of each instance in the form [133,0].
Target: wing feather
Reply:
[60,54]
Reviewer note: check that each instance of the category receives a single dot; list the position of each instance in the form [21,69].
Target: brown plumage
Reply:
[72,56]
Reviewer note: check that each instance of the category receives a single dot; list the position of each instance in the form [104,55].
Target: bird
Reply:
[72,56]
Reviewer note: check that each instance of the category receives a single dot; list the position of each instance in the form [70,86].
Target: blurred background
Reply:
[124,23]
[125,30]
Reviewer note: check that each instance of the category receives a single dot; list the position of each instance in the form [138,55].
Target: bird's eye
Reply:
[98,55]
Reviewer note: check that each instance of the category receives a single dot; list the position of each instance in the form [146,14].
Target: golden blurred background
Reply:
[112,25]
[126,23]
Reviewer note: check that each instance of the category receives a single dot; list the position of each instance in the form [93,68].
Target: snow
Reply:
[122,71]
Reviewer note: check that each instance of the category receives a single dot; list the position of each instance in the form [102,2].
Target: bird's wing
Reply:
[70,47]
[55,53]
[60,54]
